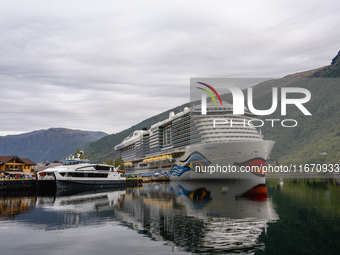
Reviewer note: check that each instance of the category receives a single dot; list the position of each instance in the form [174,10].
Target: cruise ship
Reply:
[192,146]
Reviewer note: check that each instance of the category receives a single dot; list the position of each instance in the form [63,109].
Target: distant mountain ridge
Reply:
[47,145]
[304,145]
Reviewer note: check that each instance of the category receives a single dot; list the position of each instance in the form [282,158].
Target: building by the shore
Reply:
[15,165]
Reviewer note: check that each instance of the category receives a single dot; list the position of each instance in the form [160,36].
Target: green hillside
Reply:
[302,144]
[322,132]
[313,134]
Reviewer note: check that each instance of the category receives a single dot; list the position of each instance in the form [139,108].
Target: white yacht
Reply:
[192,146]
[82,176]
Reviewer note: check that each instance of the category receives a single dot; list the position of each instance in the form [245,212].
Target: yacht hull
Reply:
[67,184]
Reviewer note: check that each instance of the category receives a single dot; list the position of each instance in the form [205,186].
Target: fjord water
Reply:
[281,216]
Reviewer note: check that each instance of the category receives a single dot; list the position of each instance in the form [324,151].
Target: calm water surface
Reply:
[281,216]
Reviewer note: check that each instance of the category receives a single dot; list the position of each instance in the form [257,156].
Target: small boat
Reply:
[82,175]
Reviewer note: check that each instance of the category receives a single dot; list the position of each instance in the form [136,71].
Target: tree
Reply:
[110,162]
[119,162]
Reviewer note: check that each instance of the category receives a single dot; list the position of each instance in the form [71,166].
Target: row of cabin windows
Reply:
[95,167]
[91,175]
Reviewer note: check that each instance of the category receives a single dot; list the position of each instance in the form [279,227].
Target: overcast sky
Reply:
[107,65]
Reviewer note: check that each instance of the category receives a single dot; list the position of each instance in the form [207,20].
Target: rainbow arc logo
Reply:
[204,97]
[209,93]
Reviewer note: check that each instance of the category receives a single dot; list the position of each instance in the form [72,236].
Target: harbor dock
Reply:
[17,184]
[33,184]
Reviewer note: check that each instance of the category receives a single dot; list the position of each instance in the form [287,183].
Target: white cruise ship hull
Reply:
[213,161]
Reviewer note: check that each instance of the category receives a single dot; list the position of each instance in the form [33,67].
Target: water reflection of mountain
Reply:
[200,216]
[309,212]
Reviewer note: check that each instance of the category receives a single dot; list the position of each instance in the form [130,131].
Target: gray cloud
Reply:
[108,65]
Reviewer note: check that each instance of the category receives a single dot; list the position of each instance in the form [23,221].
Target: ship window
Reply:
[105,168]
[86,168]
[74,174]
[97,175]
[91,175]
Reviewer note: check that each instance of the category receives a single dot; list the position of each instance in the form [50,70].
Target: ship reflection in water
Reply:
[201,216]
[189,216]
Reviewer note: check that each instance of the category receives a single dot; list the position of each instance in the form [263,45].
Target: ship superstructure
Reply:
[189,141]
